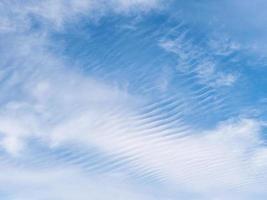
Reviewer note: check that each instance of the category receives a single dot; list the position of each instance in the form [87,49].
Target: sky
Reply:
[133,100]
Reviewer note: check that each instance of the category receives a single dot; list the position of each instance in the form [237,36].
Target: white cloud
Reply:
[68,184]
[222,45]
[197,61]
[228,157]
[49,99]
[46,99]
[226,79]
[41,90]
[61,106]
[56,13]
[218,160]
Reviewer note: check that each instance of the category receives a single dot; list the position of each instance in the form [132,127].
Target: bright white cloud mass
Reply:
[132,99]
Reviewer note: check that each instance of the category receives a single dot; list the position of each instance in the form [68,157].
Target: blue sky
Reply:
[133,99]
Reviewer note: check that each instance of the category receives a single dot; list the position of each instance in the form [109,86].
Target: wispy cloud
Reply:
[150,136]
[194,59]
[18,16]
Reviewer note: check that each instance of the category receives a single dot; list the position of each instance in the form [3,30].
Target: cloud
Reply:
[47,98]
[23,16]
[192,59]
[61,106]
[67,184]
[207,163]
[41,89]
[44,88]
